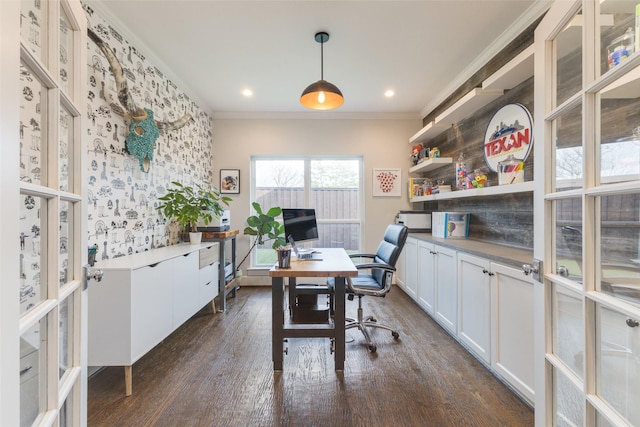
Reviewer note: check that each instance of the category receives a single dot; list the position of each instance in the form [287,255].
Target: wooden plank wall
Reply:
[500,219]
[504,219]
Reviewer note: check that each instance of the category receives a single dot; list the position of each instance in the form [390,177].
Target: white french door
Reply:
[43,227]
[587,210]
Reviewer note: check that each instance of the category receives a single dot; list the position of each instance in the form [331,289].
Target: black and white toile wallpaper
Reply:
[122,199]
[123,216]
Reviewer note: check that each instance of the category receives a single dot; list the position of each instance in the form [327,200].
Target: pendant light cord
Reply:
[321,59]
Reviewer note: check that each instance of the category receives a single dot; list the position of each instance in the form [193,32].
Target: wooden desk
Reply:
[224,287]
[335,263]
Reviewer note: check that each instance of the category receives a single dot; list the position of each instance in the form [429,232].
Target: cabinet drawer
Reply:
[28,364]
[208,273]
[209,255]
[208,283]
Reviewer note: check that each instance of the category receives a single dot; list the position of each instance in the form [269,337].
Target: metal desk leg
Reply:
[277,322]
[339,322]
[233,265]
[222,305]
[291,301]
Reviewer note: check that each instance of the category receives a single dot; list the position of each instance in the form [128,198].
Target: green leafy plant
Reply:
[188,204]
[265,228]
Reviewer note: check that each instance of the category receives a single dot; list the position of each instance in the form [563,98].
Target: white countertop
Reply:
[142,259]
[508,255]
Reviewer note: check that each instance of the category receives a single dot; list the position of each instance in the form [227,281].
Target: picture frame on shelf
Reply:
[230,181]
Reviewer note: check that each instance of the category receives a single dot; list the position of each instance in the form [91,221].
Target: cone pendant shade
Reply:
[321,95]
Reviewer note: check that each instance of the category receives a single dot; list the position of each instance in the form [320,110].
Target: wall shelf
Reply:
[469,104]
[521,187]
[431,164]
[512,73]
[509,76]
[429,131]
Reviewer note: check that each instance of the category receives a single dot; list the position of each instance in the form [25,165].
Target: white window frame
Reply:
[307,185]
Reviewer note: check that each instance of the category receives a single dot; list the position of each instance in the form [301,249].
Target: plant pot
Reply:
[195,238]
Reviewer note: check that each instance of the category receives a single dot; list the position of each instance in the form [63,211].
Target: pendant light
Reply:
[322,95]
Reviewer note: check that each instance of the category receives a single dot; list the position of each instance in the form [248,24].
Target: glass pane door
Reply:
[51,213]
[591,197]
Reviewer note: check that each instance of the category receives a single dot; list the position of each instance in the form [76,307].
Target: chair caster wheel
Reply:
[395,335]
[373,348]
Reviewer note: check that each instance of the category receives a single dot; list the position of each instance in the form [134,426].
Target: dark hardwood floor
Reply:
[216,370]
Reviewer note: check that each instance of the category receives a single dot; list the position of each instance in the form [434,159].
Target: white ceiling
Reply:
[421,49]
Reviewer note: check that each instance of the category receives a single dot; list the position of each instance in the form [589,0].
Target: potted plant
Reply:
[189,204]
[265,228]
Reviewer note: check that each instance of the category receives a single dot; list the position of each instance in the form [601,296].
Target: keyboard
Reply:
[305,255]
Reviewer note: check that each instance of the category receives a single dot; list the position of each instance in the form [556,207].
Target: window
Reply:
[332,186]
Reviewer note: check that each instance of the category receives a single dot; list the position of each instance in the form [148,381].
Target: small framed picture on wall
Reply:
[386,182]
[230,181]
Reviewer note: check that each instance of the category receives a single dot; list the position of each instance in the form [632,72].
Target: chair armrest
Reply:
[363,291]
[362,256]
[379,265]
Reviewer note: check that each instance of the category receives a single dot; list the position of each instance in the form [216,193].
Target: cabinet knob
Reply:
[632,323]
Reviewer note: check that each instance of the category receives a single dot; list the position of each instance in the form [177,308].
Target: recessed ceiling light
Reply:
[389,93]
[247,92]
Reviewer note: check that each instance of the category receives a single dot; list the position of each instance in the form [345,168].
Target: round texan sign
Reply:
[510,131]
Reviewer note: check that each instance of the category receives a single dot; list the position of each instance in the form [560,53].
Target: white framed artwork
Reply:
[387,182]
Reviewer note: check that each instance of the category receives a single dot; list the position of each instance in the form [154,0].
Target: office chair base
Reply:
[361,323]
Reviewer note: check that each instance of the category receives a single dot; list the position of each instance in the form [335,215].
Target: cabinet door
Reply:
[411,267]
[208,283]
[426,276]
[150,306]
[513,349]
[474,281]
[186,288]
[401,271]
[446,288]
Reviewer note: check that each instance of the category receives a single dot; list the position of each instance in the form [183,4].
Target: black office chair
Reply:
[378,281]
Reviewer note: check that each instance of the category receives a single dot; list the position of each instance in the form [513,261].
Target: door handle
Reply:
[533,270]
[89,274]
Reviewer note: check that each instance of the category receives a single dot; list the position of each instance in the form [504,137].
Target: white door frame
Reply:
[12,321]
[587,289]
[9,190]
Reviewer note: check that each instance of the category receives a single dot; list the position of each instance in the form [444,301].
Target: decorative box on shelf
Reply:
[450,225]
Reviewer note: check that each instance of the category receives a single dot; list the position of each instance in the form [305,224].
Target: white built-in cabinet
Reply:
[485,305]
[446,309]
[474,276]
[427,276]
[411,258]
[145,297]
[512,328]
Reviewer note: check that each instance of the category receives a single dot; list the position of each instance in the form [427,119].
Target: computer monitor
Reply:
[300,224]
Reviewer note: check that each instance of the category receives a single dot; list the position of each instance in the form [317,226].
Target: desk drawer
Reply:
[209,255]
